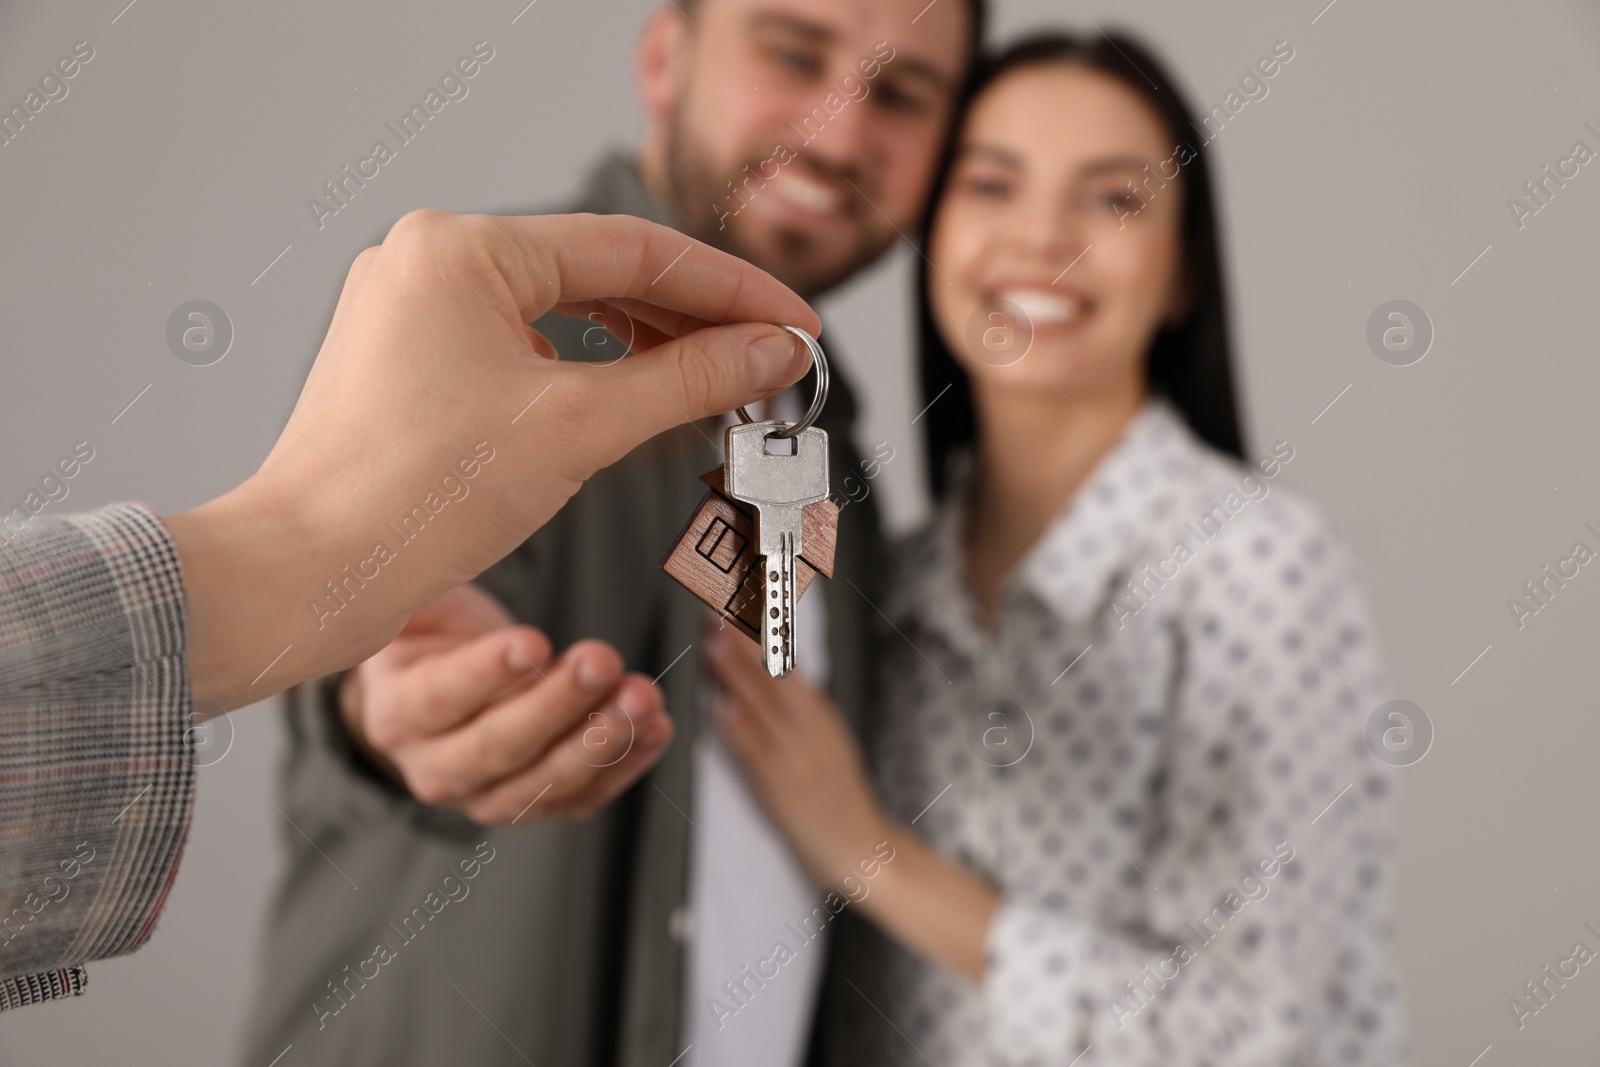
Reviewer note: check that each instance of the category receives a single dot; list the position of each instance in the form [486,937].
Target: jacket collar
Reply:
[614,186]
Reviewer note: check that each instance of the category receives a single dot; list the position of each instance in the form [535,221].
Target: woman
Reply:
[1124,810]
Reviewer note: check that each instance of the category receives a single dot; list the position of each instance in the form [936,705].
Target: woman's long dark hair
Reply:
[1190,364]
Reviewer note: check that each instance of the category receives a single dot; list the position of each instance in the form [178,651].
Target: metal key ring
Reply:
[821,397]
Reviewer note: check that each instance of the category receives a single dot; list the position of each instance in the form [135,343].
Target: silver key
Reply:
[778,487]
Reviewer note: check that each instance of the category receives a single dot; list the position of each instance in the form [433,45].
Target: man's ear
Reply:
[658,58]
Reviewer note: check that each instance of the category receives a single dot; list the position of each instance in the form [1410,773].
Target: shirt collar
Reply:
[1109,523]
[1101,530]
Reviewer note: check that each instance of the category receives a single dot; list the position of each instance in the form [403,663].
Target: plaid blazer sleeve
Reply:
[96,775]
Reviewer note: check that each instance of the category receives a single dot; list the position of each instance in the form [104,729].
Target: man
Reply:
[802,136]
[119,629]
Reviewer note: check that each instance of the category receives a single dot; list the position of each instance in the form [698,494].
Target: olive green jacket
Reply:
[558,944]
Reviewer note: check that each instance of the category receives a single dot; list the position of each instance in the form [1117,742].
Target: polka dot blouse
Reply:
[1159,758]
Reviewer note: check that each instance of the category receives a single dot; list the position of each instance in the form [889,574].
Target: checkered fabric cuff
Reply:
[96,757]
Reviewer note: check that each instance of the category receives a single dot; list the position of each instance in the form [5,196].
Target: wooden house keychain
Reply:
[766,529]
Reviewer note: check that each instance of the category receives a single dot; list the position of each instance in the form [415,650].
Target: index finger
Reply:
[557,259]
[439,692]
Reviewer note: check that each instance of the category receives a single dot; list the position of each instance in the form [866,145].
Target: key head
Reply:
[755,476]
[819,524]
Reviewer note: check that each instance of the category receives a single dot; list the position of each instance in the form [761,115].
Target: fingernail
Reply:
[635,703]
[652,732]
[516,661]
[592,674]
[775,361]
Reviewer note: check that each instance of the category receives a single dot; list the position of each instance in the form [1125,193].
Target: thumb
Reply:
[708,372]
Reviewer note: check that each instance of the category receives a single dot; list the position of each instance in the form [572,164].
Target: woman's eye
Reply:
[1115,199]
[987,188]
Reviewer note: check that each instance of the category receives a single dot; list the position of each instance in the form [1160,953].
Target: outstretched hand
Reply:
[469,711]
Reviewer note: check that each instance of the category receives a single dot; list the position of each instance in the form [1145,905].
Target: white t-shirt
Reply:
[746,893]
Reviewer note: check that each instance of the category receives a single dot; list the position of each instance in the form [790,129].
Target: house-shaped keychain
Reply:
[715,555]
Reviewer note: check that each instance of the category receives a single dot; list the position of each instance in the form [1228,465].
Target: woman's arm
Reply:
[935,907]
[807,769]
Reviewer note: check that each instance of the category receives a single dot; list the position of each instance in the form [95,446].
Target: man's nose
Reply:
[844,142]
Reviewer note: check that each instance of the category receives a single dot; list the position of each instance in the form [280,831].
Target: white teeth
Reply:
[1044,308]
[808,194]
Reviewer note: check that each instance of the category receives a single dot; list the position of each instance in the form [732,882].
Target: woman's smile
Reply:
[1044,307]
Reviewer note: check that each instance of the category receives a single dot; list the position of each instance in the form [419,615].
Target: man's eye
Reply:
[893,98]
[795,60]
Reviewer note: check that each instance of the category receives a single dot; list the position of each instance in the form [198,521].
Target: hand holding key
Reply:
[429,356]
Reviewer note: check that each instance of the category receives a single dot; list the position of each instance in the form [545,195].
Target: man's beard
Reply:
[700,196]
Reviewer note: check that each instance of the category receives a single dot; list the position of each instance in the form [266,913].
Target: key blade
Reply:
[777,624]
[778,543]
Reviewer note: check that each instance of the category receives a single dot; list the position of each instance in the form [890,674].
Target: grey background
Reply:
[1377,168]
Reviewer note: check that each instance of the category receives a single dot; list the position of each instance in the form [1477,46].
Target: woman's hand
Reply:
[808,772]
[800,758]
